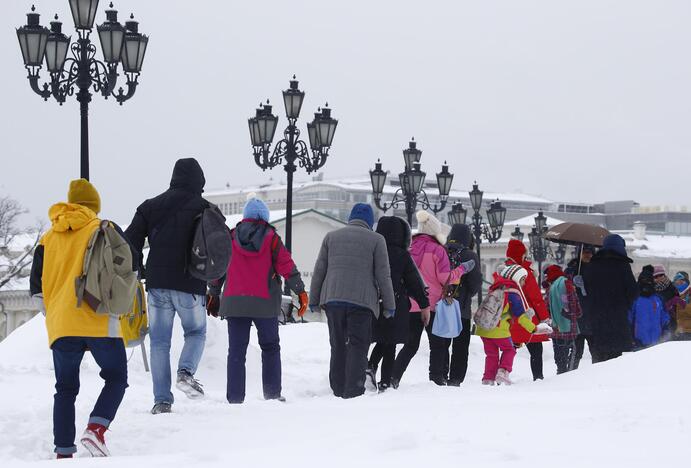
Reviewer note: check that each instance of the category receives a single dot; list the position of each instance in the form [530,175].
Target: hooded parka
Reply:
[405,278]
[168,221]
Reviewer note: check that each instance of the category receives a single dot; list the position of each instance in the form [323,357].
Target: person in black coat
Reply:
[460,244]
[611,289]
[407,282]
[168,221]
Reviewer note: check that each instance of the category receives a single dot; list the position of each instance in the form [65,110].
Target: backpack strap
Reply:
[80,281]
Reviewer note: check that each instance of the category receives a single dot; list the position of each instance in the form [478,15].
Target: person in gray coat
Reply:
[351,275]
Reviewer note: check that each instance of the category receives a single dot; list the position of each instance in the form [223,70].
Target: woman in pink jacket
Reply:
[429,255]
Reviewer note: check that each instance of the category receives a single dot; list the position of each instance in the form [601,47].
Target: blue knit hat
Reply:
[363,212]
[256,209]
[615,243]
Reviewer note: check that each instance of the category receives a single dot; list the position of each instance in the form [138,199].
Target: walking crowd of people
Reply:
[380,285]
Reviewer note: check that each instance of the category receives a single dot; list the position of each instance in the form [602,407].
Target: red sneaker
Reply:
[94,441]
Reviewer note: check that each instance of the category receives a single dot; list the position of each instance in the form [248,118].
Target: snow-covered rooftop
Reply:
[530,221]
[364,185]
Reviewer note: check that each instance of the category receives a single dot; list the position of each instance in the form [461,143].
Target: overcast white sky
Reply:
[581,100]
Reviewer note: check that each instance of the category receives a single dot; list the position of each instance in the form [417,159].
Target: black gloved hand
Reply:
[213,304]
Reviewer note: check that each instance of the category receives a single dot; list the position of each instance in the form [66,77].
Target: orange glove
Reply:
[304,301]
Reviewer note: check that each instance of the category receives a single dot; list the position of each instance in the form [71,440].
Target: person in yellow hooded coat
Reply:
[73,329]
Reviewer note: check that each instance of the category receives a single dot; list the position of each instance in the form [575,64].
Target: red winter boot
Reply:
[93,440]
[60,456]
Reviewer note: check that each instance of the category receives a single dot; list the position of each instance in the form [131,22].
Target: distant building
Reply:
[336,197]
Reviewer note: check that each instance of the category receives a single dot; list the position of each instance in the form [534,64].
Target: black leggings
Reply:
[439,349]
[535,350]
[386,354]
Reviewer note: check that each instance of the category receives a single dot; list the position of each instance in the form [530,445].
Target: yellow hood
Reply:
[70,216]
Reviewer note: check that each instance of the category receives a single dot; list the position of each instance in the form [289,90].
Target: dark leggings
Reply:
[439,349]
[535,350]
[386,354]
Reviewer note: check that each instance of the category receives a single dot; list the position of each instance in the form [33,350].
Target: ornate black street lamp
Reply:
[291,149]
[496,214]
[120,44]
[539,247]
[412,181]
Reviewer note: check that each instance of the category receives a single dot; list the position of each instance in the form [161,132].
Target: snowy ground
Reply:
[631,412]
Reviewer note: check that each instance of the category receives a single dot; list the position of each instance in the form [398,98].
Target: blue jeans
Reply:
[269,342]
[109,354]
[163,304]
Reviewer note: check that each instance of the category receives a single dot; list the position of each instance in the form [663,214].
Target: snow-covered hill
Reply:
[634,411]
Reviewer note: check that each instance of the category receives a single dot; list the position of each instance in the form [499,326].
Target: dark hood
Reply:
[396,231]
[188,175]
[250,234]
[460,235]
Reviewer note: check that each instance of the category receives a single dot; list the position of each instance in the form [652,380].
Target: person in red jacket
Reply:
[515,255]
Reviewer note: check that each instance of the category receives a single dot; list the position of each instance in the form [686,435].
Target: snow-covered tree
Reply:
[16,244]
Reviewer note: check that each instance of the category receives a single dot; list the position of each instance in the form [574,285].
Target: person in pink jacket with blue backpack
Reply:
[431,258]
[252,295]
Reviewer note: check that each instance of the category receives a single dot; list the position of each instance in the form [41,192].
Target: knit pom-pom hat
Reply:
[430,225]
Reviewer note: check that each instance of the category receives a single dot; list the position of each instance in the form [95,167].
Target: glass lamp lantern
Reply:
[292,99]
[56,47]
[411,155]
[476,197]
[33,39]
[112,35]
[458,214]
[444,181]
[135,48]
[378,179]
[84,13]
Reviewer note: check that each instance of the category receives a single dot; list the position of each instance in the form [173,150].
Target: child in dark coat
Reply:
[407,282]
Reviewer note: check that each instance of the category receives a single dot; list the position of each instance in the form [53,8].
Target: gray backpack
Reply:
[488,315]
[211,246]
[107,283]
